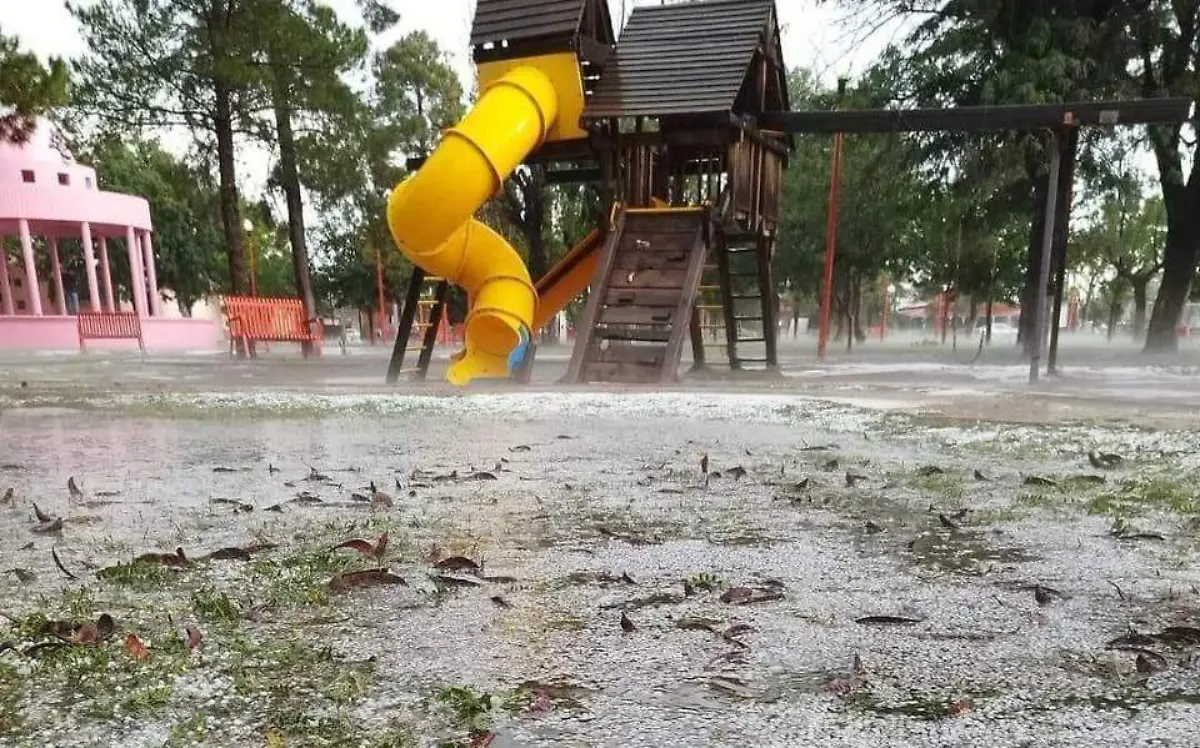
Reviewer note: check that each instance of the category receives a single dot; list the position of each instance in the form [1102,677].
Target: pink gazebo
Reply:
[45,193]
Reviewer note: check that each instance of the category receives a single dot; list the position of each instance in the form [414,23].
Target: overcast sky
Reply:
[814,37]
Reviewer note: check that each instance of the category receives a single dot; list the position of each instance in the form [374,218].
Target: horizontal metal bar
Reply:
[984,118]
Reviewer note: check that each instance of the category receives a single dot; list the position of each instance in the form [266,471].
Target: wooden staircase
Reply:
[638,313]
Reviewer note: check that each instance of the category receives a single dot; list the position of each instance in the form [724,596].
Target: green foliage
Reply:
[352,163]
[28,89]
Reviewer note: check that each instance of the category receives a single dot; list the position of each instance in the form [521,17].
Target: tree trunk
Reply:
[1114,316]
[290,178]
[1182,203]
[1139,307]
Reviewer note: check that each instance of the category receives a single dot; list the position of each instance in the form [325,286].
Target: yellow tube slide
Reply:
[430,216]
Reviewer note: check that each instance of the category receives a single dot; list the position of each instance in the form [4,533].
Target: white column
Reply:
[89,264]
[110,304]
[56,267]
[137,288]
[151,274]
[7,287]
[33,291]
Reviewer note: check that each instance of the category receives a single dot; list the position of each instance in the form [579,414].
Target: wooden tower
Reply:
[674,124]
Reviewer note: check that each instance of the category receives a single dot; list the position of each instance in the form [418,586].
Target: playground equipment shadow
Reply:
[840,577]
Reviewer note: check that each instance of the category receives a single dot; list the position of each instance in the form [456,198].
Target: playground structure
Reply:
[686,125]
[666,121]
[61,219]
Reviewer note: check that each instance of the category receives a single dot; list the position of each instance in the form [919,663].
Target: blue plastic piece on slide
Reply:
[517,356]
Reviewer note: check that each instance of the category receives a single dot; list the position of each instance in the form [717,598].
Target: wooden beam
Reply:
[408,314]
[984,118]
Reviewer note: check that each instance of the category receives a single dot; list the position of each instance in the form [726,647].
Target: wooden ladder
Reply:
[640,309]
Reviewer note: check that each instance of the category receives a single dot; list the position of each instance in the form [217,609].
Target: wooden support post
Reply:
[1062,233]
[436,317]
[412,299]
[696,330]
[766,284]
[1039,316]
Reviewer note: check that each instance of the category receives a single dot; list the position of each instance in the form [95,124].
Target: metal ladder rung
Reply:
[736,297]
[752,340]
[741,360]
[748,319]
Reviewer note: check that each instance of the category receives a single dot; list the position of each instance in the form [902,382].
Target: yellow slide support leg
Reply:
[430,217]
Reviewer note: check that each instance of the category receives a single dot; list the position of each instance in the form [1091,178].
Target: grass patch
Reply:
[213,606]
[299,579]
[141,576]
[946,485]
[916,706]
[1147,493]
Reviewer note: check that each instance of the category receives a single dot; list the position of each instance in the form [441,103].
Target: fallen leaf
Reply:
[364,547]
[444,581]
[853,478]
[1045,595]
[367,578]
[73,488]
[53,526]
[41,516]
[1037,480]
[105,625]
[945,522]
[58,562]
[1178,636]
[237,554]
[136,648]
[8,496]
[304,497]
[747,596]
[520,448]
[887,621]
[1149,662]
[86,634]
[979,476]
[194,637]
[930,470]
[737,472]
[271,469]
[238,506]
[830,465]
[872,528]
[359,497]
[499,601]
[223,469]
[107,494]
[697,623]
[732,633]
[482,475]
[275,508]
[457,564]
[24,576]
[1104,461]
[627,624]
[174,560]
[960,707]
[704,465]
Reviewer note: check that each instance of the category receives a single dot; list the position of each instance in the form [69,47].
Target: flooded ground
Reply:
[575,568]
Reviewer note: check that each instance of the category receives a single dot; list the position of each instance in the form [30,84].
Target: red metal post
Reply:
[835,182]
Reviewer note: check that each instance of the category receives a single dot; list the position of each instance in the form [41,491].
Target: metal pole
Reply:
[831,227]
[884,321]
[1062,231]
[1039,318]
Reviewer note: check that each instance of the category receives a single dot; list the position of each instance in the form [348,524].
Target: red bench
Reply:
[109,326]
[256,318]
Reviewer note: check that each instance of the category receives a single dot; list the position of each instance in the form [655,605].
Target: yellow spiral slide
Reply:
[430,215]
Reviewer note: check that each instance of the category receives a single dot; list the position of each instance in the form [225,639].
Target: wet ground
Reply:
[908,573]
